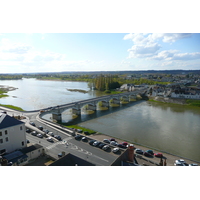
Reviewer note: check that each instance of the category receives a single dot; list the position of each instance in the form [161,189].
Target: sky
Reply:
[98,36]
[57,52]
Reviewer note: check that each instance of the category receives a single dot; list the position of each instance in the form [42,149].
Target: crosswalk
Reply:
[64,141]
[74,147]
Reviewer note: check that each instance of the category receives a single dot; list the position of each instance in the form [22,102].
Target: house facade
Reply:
[12,134]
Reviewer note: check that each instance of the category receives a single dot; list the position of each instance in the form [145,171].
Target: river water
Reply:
[171,128]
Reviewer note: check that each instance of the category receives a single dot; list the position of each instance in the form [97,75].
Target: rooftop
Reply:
[7,121]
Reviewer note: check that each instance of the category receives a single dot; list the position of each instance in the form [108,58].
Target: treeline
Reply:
[140,81]
[10,77]
[105,83]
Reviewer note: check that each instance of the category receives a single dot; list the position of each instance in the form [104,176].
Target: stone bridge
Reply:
[91,104]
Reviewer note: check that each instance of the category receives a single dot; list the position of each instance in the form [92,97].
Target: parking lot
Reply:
[170,159]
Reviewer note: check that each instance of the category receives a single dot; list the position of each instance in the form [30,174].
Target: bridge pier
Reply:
[76,111]
[124,99]
[91,107]
[132,98]
[57,116]
[105,104]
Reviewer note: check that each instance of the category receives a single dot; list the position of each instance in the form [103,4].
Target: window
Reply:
[6,132]
[6,139]
[0,133]
[20,127]
[23,143]
[1,141]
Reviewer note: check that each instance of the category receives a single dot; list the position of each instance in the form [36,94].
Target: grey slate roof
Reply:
[30,148]
[8,121]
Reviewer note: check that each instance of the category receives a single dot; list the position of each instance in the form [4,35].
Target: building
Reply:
[32,152]
[12,134]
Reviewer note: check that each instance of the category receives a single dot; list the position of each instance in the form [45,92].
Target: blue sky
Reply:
[56,52]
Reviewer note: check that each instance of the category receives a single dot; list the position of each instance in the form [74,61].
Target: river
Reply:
[171,128]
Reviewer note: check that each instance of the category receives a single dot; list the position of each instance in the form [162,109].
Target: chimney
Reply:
[131,155]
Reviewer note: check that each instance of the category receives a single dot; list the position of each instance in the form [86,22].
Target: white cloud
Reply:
[187,56]
[143,46]
[174,55]
[17,48]
[170,37]
[140,51]
[164,55]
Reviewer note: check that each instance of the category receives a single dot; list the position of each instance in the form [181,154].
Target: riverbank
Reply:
[184,102]
[4,89]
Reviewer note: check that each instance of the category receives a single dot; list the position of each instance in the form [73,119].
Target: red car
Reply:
[159,155]
[125,143]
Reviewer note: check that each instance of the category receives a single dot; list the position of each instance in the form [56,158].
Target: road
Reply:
[68,144]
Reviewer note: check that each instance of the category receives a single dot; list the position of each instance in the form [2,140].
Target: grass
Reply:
[2,91]
[79,127]
[12,107]
[192,102]
[189,102]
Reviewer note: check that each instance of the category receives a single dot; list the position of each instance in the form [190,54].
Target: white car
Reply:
[40,135]
[96,143]
[50,139]
[115,150]
[180,162]
[105,147]
[193,164]
[113,143]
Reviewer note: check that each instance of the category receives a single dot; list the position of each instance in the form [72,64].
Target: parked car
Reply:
[105,147]
[147,154]
[40,135]
[84,139]
[96,143]
[34,133]
[121,146]
[125,143]
[51,134]
[139,151]
[45,130]
[115,150]
[112,139]
[32,123]
[40,127]
[101,145]
[79,130]
[150,152]
[159,155]
[78,137]
[193,164]
[113,143]
[91,142]
[106,141]
[57,137]
[60,155]
[28,130]
[180,162]
[86,132]
[50,139]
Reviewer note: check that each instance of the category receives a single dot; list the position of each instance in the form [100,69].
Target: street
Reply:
[68,144]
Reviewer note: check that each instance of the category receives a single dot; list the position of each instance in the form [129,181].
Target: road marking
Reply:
[64,141]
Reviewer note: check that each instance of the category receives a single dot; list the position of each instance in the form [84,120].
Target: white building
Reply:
[186,96]
[12,134]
